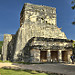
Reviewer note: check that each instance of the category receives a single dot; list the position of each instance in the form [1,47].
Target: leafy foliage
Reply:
[1,43]
[73,43]
[73,2]
[73,23]
[73,7]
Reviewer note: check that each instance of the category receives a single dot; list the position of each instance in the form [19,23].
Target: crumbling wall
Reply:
[40,21]
[36,21]
[7,40]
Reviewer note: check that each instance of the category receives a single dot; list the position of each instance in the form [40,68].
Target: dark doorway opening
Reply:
[54,56]
[64,56]
[43,56]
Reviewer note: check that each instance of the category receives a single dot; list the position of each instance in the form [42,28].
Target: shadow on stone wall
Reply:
[11,47]
[26,50]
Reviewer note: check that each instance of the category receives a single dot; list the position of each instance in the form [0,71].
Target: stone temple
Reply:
[38,39]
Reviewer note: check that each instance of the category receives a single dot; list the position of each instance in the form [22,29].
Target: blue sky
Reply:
[10,15]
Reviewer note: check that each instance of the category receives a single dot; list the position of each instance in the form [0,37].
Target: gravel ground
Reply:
[68,69]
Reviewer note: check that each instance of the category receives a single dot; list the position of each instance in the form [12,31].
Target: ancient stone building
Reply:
[38,39]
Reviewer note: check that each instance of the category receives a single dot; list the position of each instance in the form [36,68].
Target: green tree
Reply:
[73,7]
[1,43]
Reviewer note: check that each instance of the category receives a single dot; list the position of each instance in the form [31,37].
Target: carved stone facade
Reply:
[38,39]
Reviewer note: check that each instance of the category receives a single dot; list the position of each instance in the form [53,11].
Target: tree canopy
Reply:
[73,7]
[1,43]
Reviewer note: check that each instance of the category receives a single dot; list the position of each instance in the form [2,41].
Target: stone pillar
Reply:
[60,56]
[35,56]
[69,55]
[48,55]
[7,39]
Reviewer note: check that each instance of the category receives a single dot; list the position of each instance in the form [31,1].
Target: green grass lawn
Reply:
[20,72]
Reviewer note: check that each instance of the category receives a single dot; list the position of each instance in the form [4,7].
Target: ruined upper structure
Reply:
[38,14]
[41,21]
[35,21]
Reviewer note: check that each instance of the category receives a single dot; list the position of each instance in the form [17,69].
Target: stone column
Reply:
[48,55]
[7,39]
[60,56]
[35,56]
[69,55]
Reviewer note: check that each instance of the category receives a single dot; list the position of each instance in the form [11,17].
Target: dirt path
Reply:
[7,64]
[68,69]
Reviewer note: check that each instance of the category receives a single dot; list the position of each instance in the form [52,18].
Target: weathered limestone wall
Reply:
[7,39]
[50,44]
[40,21]
[35,56]
[48,55]
[69,55]
[53,44]
[38,14]
[36,21]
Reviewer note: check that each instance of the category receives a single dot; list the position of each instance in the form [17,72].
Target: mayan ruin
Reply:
[38,39]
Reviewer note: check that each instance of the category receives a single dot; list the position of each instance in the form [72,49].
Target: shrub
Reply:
[1,43]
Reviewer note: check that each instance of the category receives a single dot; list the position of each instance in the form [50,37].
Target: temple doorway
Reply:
[64,56]
[43,56]
[54,56]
